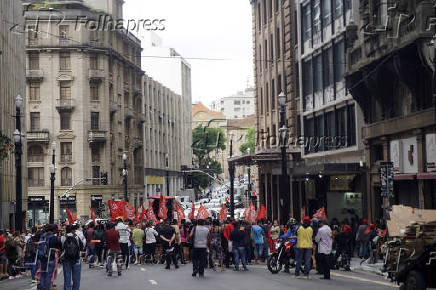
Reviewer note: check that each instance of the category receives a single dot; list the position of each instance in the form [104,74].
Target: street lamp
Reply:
[126,194]
[167,165]
[249,176]
[232,177]
[18,140]
[283,131]
[52,170]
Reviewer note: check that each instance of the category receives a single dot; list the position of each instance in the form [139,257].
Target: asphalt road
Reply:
[156,277]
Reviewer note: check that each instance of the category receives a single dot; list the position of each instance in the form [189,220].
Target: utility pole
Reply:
[232,177]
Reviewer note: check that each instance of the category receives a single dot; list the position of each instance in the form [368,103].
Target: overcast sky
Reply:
[205,29]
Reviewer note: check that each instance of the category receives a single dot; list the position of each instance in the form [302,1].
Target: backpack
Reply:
[99,235]
[71,248]
[31,248]
[44,247]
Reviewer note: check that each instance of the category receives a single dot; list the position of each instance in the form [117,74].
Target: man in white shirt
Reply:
[324,240]
[124,232]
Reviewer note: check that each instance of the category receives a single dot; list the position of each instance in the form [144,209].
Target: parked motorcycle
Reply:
[283,256]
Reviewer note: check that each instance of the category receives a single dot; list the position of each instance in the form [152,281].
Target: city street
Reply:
[155,276]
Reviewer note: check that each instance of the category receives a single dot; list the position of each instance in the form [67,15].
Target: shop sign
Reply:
[387,178]
[341,182]
[395,150]
[154,179]
[36,199]
[96,197]
[430,142]
[67,201]
[404,155]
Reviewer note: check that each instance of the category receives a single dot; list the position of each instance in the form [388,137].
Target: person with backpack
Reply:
[99,246]
[30,255]
[71,247]
[48,247]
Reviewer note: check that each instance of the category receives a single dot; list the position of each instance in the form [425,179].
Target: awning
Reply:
[427,175]
[404,176]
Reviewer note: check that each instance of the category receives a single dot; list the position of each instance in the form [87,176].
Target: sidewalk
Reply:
[359,265]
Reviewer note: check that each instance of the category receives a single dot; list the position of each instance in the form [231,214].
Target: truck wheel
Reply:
[415,281]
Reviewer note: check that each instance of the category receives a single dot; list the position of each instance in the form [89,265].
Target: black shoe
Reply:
[167,267]
[177,267]
[119,273]
[109,274]
[201,275]
[324,278]
[194,274]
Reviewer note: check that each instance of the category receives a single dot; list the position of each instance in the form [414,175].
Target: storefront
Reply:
[97,204]
[344,201]
[38,211]
[64,203]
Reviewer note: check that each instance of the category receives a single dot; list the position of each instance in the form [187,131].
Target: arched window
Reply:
[66,176]
[35,154]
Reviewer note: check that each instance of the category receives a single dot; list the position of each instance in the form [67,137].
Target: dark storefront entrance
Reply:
[38,209]
[64,203]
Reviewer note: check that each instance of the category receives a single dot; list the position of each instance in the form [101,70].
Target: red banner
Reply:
[192,213]
[320,214]
[163,210]
[129,211]
[202,213]
[223,213]
[180,214]
[92,213]
[116,209]
[150,213]
[71,216]
[262,213]
[143,213]
[251,214]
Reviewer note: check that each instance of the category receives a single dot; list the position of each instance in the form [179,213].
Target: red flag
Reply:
[202,213]
[150,213]
[116,209]
[223,213]
[253,214]
[129,211]
[71,216]
[92,213]
[180,214]
[247,213]
[163,210]
[262,213]
[138,215]
[143,213]
[320,214]
[191,214]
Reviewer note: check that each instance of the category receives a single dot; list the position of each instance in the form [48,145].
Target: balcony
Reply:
[66,158]
[96,74]
[64,105]
[128,113]
[137,142]
[34,74]
[38,136]
[97,136]
[113,106]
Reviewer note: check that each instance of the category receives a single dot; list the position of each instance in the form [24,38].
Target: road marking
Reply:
[153,282]
[143,269]
[364,279]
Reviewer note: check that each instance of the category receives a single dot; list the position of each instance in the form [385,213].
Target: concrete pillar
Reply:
[370,195]
[421,153]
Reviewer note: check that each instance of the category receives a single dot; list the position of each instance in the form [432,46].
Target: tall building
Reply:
[331,174]
[390,73]
[12,84]
[275,72]
[85,102]
[237,106]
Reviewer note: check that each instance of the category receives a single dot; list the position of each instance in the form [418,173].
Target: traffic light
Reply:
[104,179]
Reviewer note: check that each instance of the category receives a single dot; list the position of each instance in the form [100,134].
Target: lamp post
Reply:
[232,177]
[167,161]
[283,131]
[52,170]
[126,194]
[249,175]
[18,136]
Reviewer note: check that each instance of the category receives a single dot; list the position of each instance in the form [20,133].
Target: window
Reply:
[65,61]
[267,97]
[273,134]
[259,16]
[351,130]
[279,84]
[95,116]
[32,34]
[328,67]
[93,61]
[339,57]
[271,49]
[236,103]
[338,8]
[33,60]
[66,152]
[63,32]
[66,176]
[65,121]
[273,95]
[276,5]
[317,66]
[261,101]
[35,176]
[94,88]
[307,23]
[95,154]
[259,58]
[96,174]
[237,109]
[35,120]
[35,154]
[34,91]
[264,12]
[330,129]
[65,91]
[247,102]
[341,127]
[326,13]
[278,42]
[270,8]
[319,126]
[316,14]
[265,52]
[309,131]
[307,80]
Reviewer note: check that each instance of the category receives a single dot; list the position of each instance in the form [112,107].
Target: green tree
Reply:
[249,141]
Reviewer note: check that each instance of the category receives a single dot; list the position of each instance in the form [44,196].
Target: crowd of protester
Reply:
[214,244]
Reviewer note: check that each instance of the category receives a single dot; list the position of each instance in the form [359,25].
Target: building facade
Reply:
[274,62]
[86,102]
[390,73]
[12,84]
[238,106]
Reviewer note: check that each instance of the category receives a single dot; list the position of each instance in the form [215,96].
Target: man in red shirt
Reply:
[3,259]
[112,238]
[227,230]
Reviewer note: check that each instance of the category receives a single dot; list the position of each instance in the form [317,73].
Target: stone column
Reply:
[421,153]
